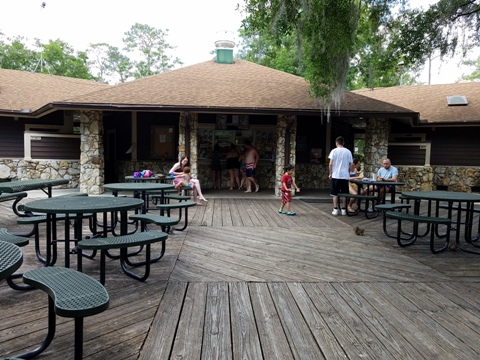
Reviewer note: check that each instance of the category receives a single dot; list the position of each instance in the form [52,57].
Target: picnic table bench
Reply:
[163,221]
[19,241]
[390,207]
[367,198]
[11,258]
[17,196]
[400,216]
[71,294]
[123,242]
[178,205]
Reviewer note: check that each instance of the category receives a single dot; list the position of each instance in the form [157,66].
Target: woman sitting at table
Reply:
[177,169]
[355,174]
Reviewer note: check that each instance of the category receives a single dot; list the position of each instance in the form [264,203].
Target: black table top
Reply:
[132,186]
[25,185]
[83,204]
[11,257]
[442,196]
[375,182]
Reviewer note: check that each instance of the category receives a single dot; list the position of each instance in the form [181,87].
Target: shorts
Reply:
[286,196]
[339,186]
[250,171]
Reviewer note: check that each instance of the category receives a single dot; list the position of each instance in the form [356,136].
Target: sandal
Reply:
[291,213]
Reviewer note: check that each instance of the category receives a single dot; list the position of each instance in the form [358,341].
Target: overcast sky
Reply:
[192,25]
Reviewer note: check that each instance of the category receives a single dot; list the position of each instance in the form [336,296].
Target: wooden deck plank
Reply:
[383,331]
[270,331]
[188,338]
[441,342]
[245,340]
[327,341]
[216,336]
[158,345]
[302,343]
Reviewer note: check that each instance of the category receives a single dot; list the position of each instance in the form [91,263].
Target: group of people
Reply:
[343,168]
[241,167]
[246,163]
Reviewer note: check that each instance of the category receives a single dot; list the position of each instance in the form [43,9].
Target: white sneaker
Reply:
[370,209]
[335,212]
[344,212]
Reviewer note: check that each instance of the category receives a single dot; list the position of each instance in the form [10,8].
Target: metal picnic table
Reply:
[35,184]
[76,210]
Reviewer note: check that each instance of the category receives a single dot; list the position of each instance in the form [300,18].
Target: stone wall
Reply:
[19,169]
[451,178]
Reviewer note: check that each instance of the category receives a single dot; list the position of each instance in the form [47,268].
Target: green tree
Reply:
[361,42]
[15,55]
[108,63]
[151,47]
[262,48]
[58,58]
[475,75]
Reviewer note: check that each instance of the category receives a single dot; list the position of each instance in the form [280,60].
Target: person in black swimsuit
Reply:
[233,166]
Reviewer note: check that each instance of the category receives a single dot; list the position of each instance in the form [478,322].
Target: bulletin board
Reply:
[163,141]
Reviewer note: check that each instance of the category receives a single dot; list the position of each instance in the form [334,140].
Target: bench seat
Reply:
[367,198]
[12,196]
[400,216]
[163,221]
[123,242]
[390,207]
[17,196]
[70,294]
[177,197]
[177,205]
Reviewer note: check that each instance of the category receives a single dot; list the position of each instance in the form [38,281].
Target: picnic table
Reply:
[462,203]
[139,189]
[78,208]
[35,184]
[16,190]
[11,257]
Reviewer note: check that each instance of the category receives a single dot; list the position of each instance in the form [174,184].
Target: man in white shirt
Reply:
[339,173]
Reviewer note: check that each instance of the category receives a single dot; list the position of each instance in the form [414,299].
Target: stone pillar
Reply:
[182,130]
[285,124]
[376,144]
[193,128]
[92,162]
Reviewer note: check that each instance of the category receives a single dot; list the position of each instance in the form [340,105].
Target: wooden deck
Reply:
[244,282]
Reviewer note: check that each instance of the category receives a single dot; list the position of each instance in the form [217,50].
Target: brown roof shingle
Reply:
[25,90]
[242,85]
[431,101]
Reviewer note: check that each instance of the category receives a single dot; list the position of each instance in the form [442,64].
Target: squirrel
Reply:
[358,231]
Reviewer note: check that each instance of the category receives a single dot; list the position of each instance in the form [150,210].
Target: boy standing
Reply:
[339,166]
[287,182]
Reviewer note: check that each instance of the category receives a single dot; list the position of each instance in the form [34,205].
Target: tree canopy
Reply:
[147,46]
[359,43]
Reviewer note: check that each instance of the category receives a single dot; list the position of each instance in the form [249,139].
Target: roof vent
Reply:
[224,47]
[457,100]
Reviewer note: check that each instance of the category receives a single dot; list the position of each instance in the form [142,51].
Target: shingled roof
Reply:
[209,86]
[431,101]
[22,90]
[239,87]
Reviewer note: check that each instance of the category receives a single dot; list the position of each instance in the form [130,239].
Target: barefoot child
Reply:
[185,180]
[287,183]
